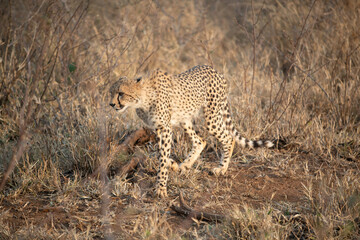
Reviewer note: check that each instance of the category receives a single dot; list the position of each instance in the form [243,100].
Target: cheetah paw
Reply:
[219,171]
[184,168]
[161,192]
[174,166]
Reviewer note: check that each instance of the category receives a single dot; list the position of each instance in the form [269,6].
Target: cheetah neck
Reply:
[144,106]
[143,115]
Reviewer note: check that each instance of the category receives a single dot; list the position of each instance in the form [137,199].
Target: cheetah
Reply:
[162,101]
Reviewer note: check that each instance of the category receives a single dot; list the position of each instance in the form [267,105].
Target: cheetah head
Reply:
[126,93]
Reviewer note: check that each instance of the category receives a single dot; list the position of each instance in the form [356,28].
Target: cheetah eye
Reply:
[138,79]
[121,94]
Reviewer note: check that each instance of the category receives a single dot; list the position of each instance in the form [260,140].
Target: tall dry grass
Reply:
[293,69]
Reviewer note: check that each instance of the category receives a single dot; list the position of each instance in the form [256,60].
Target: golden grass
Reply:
[293,69]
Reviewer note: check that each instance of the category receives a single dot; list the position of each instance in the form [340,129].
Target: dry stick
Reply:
[184,209]
[56,51]
[205,43]
[136,136]
[108,70]
[283,83]
[254,48]
[303,26]
[293,56]
[18,152]
[27,107]
[141,135]
[23,126]
[130,166]
[23,139]
[146,58]
[307,73]
[103,155]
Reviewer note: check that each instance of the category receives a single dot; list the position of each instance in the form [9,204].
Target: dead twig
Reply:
[139,137]
[18,152]
[184,209]
[35,78]
[130,166]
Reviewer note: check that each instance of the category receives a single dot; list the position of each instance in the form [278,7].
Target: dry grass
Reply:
[293,69]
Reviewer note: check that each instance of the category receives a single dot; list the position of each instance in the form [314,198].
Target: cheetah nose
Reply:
[112,104]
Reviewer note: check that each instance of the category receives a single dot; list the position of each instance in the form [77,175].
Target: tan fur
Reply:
[162,101]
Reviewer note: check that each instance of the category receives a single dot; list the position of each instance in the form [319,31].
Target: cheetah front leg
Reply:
[164,135]
[197,146]
[171,163]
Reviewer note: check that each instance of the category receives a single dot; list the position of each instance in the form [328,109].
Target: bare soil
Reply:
[257,183]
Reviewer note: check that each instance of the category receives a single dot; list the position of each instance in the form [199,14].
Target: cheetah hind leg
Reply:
[224,163]
[197,147]
[217,127]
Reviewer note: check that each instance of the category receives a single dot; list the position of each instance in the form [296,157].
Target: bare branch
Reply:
[140,136]
[18,152]
[184,209]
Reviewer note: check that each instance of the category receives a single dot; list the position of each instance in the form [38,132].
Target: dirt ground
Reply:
[260,182]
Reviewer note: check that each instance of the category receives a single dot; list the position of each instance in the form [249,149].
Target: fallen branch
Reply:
[138,137]
[18,152]
[184,209]
[130,166]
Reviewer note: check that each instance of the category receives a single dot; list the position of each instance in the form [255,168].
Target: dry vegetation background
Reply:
[293,69]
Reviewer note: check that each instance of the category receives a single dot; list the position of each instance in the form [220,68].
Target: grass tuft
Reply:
[293,71]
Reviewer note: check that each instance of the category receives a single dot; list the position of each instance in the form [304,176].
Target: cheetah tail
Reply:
[242,141]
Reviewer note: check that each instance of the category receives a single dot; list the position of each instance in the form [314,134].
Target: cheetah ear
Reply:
[155,73]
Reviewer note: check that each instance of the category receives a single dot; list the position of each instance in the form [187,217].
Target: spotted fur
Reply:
[162,101]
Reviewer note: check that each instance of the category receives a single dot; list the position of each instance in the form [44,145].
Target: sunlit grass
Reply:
[57,62]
